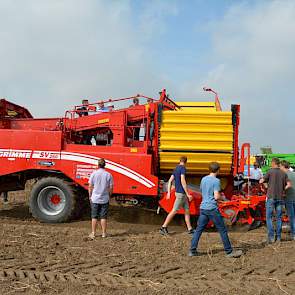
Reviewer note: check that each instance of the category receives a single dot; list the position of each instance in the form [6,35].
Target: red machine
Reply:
[61,153]
[245,206]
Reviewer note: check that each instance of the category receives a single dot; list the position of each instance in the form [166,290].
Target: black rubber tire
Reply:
[70,200]
[82,209]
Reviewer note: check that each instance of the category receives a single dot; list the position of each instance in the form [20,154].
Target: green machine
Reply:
[264,160]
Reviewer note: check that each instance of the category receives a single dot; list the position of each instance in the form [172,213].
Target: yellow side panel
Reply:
[199,132]
[197,163]
[177,145]
[204,128]
[197,117]
[208,106]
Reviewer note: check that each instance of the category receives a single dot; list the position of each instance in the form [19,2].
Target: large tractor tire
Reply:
[52,200]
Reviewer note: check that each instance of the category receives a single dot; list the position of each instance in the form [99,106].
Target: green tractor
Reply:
[264,160]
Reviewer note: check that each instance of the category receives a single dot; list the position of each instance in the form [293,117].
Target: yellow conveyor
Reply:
[201,133]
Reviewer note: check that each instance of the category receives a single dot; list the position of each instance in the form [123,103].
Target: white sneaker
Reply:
[235,254]
[91,236]
[104,235]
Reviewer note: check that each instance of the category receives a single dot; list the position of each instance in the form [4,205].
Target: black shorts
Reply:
[99,211]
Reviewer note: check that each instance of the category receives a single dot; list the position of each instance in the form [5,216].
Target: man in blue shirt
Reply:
[101,108]
[182,196]
[210,188]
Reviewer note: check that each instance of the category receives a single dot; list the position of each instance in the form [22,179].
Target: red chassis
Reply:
[63,145]
[58,153]
[240,209]
[244,207]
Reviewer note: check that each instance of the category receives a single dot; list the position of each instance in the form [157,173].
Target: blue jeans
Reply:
[290,206]
[271,205]
[215,216]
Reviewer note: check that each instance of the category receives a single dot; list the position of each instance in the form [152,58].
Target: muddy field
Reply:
[58,259]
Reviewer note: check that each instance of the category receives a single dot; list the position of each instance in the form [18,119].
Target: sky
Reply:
[53,53]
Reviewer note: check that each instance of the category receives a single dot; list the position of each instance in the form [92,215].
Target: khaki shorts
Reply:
[181,201]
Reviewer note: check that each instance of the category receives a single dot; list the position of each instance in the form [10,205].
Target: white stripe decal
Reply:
[84,158]
[108,165]
[112,163]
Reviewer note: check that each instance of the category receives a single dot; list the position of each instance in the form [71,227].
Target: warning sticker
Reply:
[84,171]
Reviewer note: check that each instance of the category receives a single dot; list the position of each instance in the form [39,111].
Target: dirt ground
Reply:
[40,258]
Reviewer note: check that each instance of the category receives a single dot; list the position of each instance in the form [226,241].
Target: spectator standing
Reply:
[102,108]
[83,110]
[255,174]
[100,190]
[135,102]
[136,129]
[182,197]
[110,107]
[152,117]
[290,197]
[210,188]
[277,182]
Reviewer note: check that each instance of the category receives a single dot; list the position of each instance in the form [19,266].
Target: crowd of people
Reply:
[85,108]
[280,193]
[211,194]
[280,182]
[105,137]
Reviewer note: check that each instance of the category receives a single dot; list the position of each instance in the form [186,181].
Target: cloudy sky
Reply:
[55,52]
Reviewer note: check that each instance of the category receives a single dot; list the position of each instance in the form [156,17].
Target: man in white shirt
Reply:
[255,174]
[100,189]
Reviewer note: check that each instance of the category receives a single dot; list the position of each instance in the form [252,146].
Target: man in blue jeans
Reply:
[277,182]
[290,197]
[210,188]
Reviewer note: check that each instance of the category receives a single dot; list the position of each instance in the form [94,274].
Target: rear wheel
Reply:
[52,200]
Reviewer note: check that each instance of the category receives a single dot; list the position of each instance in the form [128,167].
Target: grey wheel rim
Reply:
[51,200]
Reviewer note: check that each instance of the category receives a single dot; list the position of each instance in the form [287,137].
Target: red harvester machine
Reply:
[141,145]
